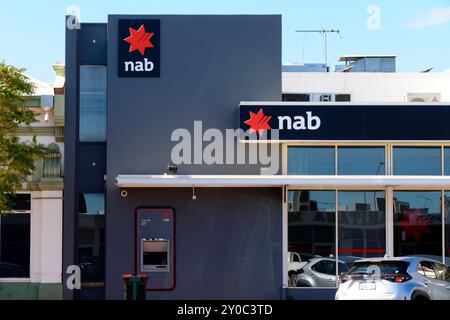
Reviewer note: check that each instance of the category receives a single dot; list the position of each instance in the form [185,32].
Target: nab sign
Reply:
[346,122]
[139,48]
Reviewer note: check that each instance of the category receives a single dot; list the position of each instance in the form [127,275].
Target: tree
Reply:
[17,158]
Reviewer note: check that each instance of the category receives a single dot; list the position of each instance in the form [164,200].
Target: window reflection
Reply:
[447,161]
[362,223]
[361,161]
[417,161]
[91,234]
[311,238]
[311,160]
[92,126]
[418,223]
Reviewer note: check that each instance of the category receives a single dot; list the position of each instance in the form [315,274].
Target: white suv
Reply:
[403,278]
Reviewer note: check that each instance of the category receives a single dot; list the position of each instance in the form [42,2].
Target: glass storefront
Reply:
[418,223]
[312,256]
[329,228]
[311,237]
[362,223]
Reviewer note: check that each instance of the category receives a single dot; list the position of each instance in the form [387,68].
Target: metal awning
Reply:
[165,181]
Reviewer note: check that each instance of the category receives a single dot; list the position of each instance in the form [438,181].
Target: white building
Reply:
[31,236]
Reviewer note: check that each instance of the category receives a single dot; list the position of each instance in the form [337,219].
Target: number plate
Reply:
[367,285]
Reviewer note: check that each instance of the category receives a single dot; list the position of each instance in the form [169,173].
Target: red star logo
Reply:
[414,225]
[139,39]
[258,122]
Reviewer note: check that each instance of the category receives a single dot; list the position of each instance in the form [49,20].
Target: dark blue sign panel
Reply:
[139,48]
[347,122]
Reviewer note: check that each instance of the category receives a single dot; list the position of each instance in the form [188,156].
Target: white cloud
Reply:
[430,18]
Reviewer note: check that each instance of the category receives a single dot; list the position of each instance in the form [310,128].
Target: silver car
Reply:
[321,272]
[402,278]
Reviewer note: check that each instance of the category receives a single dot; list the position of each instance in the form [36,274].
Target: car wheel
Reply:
[419,297]
[303,284]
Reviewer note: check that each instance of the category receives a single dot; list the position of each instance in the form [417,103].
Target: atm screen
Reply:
[155,253]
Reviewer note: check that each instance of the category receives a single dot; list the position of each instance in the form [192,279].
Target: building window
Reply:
[92,126]
[447,161]
[311,160]
[15,245]
[91,233]
[417,161]
[311,235]
[418,223]
[361,161]
[362,224]
[303,97]
[343,98]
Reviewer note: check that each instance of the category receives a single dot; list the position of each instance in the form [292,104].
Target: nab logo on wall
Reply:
[139,48]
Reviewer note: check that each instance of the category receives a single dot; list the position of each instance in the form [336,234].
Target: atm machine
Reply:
[155,246]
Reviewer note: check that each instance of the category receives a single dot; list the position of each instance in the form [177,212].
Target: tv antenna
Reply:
[323,32]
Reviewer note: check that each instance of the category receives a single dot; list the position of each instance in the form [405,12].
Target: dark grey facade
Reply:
[229,240]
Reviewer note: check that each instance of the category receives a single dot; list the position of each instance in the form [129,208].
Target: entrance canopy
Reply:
[165,181]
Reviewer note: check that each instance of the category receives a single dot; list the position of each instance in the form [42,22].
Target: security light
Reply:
[171,170]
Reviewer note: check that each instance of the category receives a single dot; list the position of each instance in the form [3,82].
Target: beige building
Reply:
[31,236]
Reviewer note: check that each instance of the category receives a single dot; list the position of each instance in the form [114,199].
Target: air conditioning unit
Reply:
[423,97]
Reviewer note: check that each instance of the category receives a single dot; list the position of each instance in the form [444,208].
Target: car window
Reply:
[342,267]
[426,269]
[447,275]
[384,267]
[440,270]
[295,258]
[323,267]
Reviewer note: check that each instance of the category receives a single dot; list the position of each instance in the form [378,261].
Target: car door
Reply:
[442,291]
[447,280]
[426,268]
[322,273]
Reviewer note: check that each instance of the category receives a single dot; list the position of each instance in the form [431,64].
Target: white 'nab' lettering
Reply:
[310,122]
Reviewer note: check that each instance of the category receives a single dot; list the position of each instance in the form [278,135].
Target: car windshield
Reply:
[384,267]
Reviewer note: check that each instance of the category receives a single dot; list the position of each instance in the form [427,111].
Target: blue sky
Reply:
[418,31]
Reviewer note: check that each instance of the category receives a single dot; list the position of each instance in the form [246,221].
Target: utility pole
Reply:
[324,33]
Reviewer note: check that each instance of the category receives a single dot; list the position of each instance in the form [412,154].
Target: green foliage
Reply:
[16,157]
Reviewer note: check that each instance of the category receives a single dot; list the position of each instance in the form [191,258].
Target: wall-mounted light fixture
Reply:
[171,170]
[194,196]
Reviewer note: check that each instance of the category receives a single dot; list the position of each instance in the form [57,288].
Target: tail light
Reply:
[343,279]
[398,278]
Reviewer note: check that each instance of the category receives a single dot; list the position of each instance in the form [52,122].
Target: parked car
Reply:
[296,261]
[402,278]
[321,272]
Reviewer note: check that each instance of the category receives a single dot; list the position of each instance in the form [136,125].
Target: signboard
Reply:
[139,48]
[346,122]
